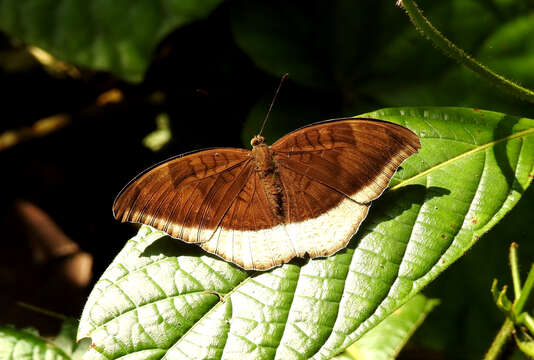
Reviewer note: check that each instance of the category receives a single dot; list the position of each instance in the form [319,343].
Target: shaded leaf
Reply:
[386,340]
[510,50]
[117,36]
[353,43]
[161,298]
[507,49]
[280,37]
[465,22]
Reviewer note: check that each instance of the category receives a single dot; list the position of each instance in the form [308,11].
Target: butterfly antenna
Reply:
[272,103]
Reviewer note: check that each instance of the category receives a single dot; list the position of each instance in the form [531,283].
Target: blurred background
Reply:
[94,92]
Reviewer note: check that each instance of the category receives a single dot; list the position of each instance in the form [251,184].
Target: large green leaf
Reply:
[117,36]
[163,299]
[386,340]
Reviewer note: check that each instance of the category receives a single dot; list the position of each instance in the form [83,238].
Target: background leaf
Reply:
[164,299]
[496,39]
[117,36]
[27,344]
[385,341]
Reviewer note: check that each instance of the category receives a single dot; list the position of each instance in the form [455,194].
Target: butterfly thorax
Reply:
[267,170]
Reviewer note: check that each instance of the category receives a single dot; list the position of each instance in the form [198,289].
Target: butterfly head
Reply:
[257,140]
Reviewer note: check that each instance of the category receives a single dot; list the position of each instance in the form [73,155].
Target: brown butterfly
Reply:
[306,194]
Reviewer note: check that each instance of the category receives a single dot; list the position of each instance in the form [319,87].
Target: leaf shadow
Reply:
[505,128]
[171,247]
[394,203]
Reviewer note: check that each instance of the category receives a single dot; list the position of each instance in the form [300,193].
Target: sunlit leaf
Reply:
[163,299]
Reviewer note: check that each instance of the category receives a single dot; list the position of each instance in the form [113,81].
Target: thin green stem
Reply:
[525,292]
[42,311]
[428,30]
[514,266]
[527,320]
[500,340]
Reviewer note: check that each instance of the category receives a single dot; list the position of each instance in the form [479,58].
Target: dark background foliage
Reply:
[214,78]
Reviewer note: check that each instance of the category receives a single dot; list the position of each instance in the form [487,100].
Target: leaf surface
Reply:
[26,344]
[117,36]
[163,299]
[385,341]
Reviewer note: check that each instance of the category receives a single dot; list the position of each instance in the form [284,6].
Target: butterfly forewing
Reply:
[354,157]
[186,196]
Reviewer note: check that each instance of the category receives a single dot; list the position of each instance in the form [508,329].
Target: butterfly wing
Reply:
[186,196]
[331,171]
[354,157]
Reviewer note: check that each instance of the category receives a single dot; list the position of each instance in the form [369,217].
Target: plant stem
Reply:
[42,311]
[428,30]
[526,320]
[502,337]
[525,292]
[514,266]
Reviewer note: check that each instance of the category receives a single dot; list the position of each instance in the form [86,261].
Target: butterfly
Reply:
[305,195]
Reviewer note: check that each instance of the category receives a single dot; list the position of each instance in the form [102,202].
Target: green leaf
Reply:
[117,36]
[163,299]
[465,22]
[510,49]
[385,341]
[507,49]
[21,344]
[352,43]
[286,45]
[27,344]
[66,340]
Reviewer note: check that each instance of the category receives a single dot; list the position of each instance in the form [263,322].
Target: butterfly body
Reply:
[305,195]
[268,173]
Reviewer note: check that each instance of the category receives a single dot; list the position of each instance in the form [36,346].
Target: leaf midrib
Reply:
[463,155]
